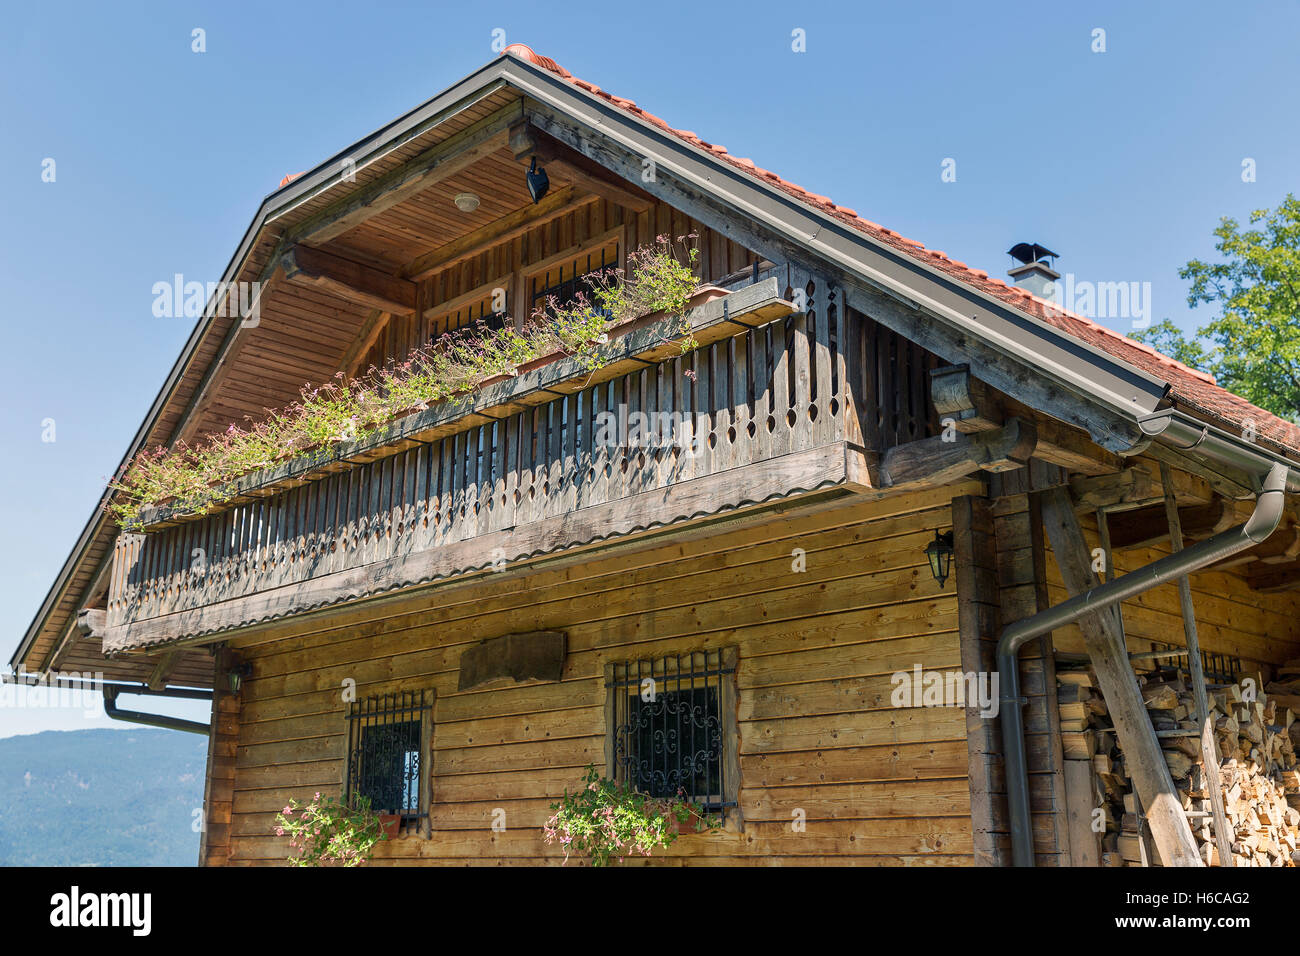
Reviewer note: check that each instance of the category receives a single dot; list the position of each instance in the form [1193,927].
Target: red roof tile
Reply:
[1190,389]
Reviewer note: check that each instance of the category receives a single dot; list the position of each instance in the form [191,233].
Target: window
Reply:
[563,280]
[388,743]
[673,727]
[474,309]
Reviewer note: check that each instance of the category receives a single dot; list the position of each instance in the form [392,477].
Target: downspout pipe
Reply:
[155,720]
[1262,523]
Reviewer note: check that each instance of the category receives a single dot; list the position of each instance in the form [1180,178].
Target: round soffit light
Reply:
[465,202]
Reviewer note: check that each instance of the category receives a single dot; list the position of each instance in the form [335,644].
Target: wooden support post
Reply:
[1081,798]
[1105,645]
[219,780]
[1209,748]
[1103,532]
[978,621]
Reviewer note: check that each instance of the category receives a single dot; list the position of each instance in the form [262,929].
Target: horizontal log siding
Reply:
[817,732]
[1231,619]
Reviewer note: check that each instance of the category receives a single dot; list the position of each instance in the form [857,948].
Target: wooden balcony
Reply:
[774,403]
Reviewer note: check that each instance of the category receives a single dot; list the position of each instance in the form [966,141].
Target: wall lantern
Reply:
[939,552]
[538,182]
[236,676]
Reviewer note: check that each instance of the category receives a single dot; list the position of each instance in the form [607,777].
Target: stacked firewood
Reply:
[1258,774]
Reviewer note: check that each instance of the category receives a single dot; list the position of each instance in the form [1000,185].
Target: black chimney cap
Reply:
[1028,252]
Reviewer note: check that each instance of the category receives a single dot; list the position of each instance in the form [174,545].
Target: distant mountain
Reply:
[101,798]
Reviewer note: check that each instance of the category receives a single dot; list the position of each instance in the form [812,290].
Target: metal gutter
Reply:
[1189,435]
[154,720]
[1263,521]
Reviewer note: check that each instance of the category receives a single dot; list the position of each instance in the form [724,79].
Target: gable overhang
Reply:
[767,219]
[1007,348]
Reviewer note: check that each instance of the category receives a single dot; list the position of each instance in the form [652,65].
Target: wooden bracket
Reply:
[971,406]
[353,281]
[91,622]
[166,664]
[967,401]
[936,461]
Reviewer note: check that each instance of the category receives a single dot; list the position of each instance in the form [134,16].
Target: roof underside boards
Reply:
[447,114]
[84,656]
[966,309]
[394,237]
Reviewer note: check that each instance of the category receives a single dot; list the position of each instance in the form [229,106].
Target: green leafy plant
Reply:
[606,819]
[658,278]
[325,831]
[1252,346]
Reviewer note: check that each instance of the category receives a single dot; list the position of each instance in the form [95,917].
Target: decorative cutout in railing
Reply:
[766,393]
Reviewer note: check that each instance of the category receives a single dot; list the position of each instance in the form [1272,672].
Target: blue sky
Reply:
[1122,161]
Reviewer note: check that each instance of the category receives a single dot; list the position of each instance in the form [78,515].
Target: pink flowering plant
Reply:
[606,819]
[658,278]
[325,831]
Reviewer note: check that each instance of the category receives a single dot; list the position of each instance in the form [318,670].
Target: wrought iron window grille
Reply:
[388,748]
[671,727]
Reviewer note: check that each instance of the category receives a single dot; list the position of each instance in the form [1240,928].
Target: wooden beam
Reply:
[527,142]
[557,204]
[91,622]
[166,664]
[1081,799]
[1150,525]
[1225,482]
[1209,749]
[435,164]
[1129,486]
[1105,645]
[71,633]
[968,402]
[472,297]
[354,281]
[936,461]
[370,330]
[1273,577]
[1067,446]
[978,624]
[973,406]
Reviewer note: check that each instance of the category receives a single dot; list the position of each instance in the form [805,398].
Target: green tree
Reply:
[1256,289]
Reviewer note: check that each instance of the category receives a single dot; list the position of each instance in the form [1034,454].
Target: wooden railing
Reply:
[807,380]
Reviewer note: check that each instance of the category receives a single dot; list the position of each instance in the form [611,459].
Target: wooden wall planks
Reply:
[817,730]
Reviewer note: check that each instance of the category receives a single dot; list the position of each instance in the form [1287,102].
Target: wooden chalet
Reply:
[488,582]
